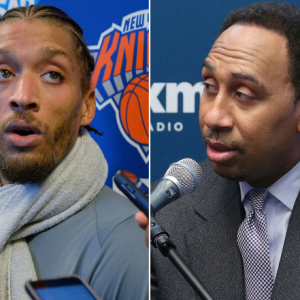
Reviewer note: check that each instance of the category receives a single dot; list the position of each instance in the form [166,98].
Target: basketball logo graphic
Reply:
[121,77]
[134,109]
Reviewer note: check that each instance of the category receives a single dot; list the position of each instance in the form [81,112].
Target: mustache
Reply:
[214,136]
[24,116]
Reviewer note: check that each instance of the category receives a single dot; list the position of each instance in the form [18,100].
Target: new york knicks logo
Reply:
[121,77]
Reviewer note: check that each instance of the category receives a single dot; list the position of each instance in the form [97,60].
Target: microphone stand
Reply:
[160,239]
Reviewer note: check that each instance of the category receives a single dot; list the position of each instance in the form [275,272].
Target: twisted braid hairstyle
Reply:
[55,16]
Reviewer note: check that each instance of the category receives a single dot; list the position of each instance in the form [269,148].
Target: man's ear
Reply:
[89,107]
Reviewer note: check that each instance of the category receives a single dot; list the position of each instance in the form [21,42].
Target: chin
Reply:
[229,172]
[27,167]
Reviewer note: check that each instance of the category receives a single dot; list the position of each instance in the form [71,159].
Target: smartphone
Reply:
[135,194]
[64,288]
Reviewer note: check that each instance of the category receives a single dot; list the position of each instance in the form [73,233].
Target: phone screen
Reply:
[62,289]
[74,292]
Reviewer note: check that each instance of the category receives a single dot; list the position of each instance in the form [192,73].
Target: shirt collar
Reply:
[285,189]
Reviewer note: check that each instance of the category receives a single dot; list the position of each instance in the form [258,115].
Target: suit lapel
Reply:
[211,245]
[287,284]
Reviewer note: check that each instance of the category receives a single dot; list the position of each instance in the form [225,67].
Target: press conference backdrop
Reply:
[182,33]
[116,32]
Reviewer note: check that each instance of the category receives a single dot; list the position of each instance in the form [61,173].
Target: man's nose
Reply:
[218,112]
[25,93]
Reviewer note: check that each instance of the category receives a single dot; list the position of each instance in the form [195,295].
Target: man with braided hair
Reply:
[56,215]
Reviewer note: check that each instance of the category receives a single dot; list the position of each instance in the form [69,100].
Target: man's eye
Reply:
[209,87]
[5,74]
[243,96]
[53,76]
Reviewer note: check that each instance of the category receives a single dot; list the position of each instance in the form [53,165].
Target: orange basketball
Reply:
[134,109]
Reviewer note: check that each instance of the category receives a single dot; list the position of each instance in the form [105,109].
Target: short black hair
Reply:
[282,18]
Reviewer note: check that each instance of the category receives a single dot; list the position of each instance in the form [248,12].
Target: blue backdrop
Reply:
[117,35]
[182,33]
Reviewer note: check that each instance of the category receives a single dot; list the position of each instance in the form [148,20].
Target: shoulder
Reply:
[123,259]
[96,221]
[101,243]
[110,210]
[192,222]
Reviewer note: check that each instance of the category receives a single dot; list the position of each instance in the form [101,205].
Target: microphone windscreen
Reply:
[187,172]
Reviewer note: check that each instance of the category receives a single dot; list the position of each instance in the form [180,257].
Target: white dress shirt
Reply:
[278,208]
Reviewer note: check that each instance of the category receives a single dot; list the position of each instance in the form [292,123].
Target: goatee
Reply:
[23,169]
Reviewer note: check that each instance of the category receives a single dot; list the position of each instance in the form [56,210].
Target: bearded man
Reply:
[56,215]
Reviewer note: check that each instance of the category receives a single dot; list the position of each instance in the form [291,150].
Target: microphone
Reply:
[181,178]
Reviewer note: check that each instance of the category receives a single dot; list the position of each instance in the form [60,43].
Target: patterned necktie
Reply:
[254,246]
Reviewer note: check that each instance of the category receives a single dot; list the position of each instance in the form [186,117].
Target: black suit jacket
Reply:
[204,226]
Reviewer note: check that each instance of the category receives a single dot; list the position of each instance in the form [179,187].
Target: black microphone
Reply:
[181,178]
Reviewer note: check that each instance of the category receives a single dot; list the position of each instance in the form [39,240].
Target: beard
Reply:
[25,168]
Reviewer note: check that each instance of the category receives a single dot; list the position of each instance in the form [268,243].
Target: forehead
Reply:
[250,48]
[25,37]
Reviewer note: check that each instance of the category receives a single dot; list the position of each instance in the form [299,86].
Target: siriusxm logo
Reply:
[8,4]
[172,91]
[173,98]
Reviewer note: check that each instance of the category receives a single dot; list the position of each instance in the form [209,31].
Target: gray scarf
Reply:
[31,208]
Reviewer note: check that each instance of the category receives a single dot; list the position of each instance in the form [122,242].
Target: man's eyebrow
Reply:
[238,75]
[6,51]
[208,66]
[246,76]
[46,52]
[51,51]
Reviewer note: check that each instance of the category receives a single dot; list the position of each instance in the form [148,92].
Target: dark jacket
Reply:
[203,226]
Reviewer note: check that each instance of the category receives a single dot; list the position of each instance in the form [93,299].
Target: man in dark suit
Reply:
[250,122]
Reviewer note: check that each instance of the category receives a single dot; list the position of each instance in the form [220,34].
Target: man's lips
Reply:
[22,125]
[219,152]
[23,134]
